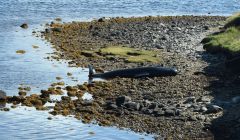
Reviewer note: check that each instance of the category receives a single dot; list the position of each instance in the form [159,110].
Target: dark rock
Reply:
[66,98]
[153,106]
[204,99]
[22,93]
[213,109]
[48,30]
[206,27]
[201,117]
[101,19]
[147,111]
[158,112]
[192,118]
[45,94]
[132,105]
[6,109]
[169,112]
[122,100]
[24,26]
[178,112]
[190,100]
[56,29]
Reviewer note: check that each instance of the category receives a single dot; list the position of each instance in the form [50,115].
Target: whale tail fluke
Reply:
[91,72]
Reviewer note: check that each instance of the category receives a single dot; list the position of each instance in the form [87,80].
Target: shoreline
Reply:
[174,105]
[177,107]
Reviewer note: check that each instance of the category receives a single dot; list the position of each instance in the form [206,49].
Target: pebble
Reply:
[111,106]
[132,105]
[192,118]
[169,112]
[122,99]
[204,99]
[24,26]
[190,100]
[213,109]
[201,117]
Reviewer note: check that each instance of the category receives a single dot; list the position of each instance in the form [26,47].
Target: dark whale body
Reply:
[135,72]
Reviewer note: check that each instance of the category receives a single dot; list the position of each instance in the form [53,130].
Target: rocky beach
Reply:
[186,106]
[176,107]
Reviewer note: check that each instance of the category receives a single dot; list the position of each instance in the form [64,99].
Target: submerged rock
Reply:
[213,109]
[24,26]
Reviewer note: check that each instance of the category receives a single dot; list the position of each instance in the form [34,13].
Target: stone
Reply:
[111,106]
[192,118]
[147,111]
[201,117]
[204,99]
[153,106]
[211,109]
[169,113]
[122,100]
[101,19]
[66,98]
[132,105]
[24,26]
[190,100]
[203,109]
[158,112]
[22,93]
[56,29]
[178,112]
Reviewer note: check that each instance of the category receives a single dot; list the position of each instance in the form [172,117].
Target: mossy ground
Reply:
[131,54]
[227,41]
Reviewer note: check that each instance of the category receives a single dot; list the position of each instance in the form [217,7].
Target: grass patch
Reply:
[227,41]
[130,54]
[233,21]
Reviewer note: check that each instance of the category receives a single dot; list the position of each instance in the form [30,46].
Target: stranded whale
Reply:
[134,72]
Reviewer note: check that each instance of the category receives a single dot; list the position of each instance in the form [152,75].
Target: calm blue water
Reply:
[33,70]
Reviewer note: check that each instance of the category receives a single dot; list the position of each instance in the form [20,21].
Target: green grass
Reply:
[130,54]
[227,41]
[233,21]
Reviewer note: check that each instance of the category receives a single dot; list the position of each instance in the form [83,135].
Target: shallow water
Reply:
[33,70]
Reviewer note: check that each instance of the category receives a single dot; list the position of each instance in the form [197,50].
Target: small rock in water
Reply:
[122,99]
[6,109]
[213,109]
[22,93]
[24,26]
